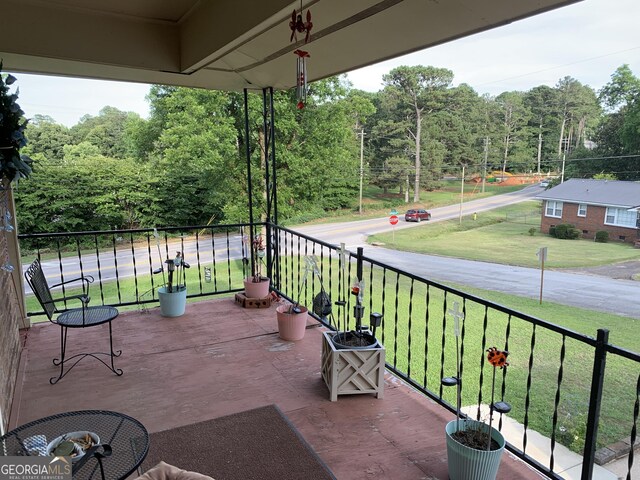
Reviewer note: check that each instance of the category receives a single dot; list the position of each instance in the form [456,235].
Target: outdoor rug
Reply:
[259,444]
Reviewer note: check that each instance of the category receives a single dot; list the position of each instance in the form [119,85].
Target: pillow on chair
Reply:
[164,471]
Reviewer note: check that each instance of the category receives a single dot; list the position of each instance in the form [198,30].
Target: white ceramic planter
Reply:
[172,304]
[467,463]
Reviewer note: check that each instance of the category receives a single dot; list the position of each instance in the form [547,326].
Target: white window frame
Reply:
[553,209]
[582,207]
[612,217]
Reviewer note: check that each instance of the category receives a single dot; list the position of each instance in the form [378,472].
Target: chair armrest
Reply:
[87,278]
[82,297]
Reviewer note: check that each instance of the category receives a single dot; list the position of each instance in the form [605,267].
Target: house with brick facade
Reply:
[594,205]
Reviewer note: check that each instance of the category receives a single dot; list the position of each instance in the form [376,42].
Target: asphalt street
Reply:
[598,293]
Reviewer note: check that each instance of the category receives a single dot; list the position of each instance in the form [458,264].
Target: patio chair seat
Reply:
[91,316]
[82,317]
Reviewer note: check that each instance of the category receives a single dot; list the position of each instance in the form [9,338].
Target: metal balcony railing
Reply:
[577,391]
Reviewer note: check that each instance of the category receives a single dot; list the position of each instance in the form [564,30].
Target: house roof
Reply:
[233,44]
[595,192]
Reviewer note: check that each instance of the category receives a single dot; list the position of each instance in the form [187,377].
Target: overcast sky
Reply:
[586,41]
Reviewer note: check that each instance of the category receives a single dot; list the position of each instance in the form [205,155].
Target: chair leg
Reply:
[63,349]
[77,358]
[117,371]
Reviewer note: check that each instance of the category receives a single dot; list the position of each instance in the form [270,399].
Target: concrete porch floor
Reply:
[220,359]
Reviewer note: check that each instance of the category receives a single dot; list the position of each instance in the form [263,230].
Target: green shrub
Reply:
[602,236]
[552,231]
[532,231]
[566,231]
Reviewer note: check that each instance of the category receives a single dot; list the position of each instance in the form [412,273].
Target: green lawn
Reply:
[377,204]
[502,236]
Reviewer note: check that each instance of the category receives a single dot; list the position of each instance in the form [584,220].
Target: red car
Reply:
[417,215]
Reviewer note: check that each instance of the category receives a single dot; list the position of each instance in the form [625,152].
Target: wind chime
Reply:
[297,25]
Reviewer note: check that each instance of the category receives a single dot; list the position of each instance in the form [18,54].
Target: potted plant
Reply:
[257,285]
[173,295]
[474,448]
[353,361]
[13,165]
[291,316]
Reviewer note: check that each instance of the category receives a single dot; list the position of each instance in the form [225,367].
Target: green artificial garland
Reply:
[13,166]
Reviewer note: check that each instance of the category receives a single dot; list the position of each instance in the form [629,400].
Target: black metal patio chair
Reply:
[82,317]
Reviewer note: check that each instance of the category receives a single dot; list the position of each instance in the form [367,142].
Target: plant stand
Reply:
[351,371]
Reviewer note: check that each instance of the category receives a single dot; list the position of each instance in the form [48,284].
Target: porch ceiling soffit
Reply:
[233,44]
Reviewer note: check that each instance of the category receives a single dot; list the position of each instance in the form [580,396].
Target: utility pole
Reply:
[486,155]
[361,134]
[461,193]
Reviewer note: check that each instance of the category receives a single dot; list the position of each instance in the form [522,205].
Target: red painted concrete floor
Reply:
[220,359]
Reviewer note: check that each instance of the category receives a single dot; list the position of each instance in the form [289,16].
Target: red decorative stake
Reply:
[301,80]
[497,358]
[298,26]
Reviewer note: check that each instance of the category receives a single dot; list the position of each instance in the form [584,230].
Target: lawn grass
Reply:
[502,236]
[378,204]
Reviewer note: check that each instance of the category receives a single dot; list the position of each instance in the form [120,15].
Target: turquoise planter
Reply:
[468,463]
[172,304]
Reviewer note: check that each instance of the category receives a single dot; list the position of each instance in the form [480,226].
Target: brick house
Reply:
[594,205]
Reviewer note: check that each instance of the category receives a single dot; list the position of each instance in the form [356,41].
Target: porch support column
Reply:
[14,257]
[247,143]
[268,116]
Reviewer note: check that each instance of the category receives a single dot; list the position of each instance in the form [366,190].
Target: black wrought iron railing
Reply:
[578,392]
[123,262]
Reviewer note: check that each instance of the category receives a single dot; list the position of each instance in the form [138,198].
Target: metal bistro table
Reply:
[124,440]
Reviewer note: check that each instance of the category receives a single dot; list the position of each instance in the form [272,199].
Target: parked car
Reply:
[417,215]
[544,184]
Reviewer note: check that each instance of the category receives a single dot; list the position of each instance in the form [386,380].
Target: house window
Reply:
[554,209]
[582,210]
[620,217]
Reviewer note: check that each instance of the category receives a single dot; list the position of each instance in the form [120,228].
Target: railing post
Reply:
[595,400]
[359,262]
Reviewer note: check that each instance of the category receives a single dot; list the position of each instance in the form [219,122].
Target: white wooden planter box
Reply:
[348,372]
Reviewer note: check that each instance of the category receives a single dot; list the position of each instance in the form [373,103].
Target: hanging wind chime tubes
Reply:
[301,83]
[297,25]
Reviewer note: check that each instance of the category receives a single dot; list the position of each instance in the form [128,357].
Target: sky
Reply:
[587,41]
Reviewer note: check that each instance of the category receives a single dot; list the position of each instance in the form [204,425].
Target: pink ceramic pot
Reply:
[291,326]
[256,289]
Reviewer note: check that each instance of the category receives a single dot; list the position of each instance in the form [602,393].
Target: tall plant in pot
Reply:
[353,361]
[474,448]
[257,285]
[173,293]
[291,316]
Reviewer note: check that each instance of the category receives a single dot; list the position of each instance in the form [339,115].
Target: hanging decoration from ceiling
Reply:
[298,26]
[301,81]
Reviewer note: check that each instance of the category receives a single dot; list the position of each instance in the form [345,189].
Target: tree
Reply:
[541,102]
[514,118]
[418,92]
[106,131]
[623,88]
[47,137]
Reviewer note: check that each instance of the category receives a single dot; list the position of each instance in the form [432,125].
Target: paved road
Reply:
[589,291]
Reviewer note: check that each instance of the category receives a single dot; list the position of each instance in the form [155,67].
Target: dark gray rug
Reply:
[259,444]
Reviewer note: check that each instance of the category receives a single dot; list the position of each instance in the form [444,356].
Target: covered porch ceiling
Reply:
[233,44]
